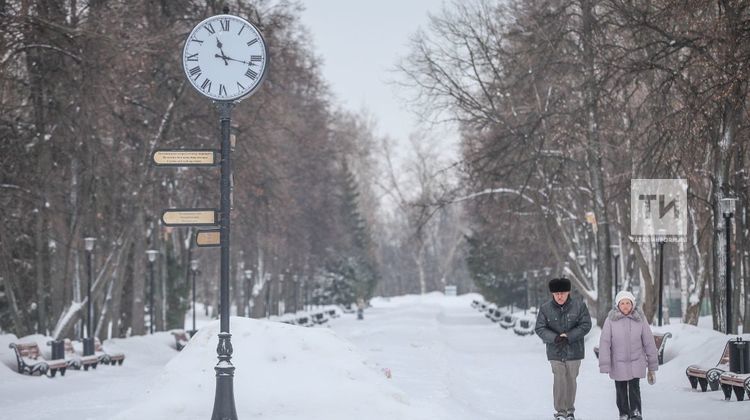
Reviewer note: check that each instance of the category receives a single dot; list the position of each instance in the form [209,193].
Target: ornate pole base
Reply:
[224,402]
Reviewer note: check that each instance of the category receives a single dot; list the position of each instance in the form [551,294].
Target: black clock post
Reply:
[224,59]
[224,408]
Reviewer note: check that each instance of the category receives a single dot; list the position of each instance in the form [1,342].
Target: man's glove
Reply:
[651,377]
[561,340]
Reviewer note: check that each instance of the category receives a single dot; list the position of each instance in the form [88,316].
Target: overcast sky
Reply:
[360,43]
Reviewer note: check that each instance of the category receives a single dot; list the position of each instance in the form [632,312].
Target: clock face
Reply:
[225,58]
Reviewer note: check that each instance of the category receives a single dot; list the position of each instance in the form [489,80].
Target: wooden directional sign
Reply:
[208,237]
[186,157]
[190,217]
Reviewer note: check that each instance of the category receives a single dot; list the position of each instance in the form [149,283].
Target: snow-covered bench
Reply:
[30,360]
[739,382]
[659,339]
[73,360]
[107,357]
[304,321]
[180,339]
[525,325]
[475,304]
[319,318]
[508,321]
[708,375]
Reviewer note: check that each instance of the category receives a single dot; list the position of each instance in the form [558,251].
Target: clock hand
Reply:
[232,59]
[222,56]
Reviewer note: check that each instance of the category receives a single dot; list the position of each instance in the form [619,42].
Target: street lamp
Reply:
[616,253]
[727,205]
[249,294]
[193,271]
[152,253]
[662,234]
[88,342]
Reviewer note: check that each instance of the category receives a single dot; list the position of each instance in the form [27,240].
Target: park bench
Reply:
[708,376]
[491,308]
[659,339]
[31,361]
[319,318]
[73,359]
[304,321]
[107,357]
[739,382]
[180,339]
[524,326]
[508,321]
[333,313]
[475,304]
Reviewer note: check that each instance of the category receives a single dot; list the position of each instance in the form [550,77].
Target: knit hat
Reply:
[624,294]
[559,285]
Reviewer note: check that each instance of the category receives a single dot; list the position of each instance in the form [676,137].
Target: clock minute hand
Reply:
[231,59]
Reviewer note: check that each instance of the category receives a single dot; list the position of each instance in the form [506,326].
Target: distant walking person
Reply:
[562,323]
[626,350]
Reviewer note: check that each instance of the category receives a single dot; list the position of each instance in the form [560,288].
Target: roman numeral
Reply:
[251,74]
[224,25]
[256,58]
[241,29]
[240,87]
[195,71]
[252,41]
[222,90]
[194,39]
[192,57]
[210,29]
[206,83]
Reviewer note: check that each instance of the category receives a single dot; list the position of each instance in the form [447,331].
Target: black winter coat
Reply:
[571,318]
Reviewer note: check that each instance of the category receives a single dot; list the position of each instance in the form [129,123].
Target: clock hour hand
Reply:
[222,56]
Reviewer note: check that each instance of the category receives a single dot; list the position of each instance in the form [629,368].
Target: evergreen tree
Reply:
[350,273]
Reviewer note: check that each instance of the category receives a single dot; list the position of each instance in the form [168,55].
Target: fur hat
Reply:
[624,294]
[559,285]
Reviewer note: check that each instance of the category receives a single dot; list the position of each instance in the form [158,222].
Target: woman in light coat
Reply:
[626,351]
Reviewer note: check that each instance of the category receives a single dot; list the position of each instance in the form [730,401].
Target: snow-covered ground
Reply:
[446,361]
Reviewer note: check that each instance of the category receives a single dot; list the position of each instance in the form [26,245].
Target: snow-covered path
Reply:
[443,352]
[448,362]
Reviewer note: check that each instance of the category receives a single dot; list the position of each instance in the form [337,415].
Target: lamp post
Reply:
[581,259]
[88,342]
[727,204]
[249,295]
[662,240]
[616,253]
[267,279]
[194,272]
[152,253]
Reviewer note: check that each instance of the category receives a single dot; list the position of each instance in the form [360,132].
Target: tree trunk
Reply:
[596,170]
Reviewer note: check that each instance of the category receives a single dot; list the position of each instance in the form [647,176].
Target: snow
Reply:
[445,359]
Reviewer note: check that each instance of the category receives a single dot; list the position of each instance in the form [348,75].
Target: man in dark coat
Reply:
[562,323]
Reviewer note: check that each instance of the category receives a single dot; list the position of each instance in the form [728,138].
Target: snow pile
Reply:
[282,372]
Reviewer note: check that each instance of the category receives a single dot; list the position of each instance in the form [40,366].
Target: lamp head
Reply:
[88,243]
[727,205]
[194,265]
[152,253]
[248,274]
[581,259]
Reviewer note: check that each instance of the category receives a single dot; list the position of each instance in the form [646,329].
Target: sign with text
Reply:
[658,210]
[190,217]
[185,157]
[208,237]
